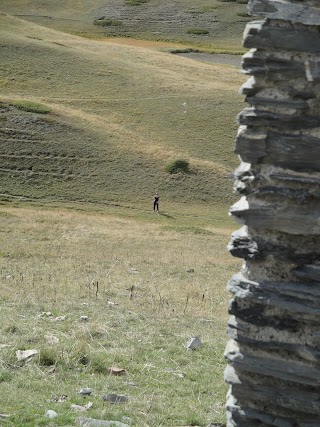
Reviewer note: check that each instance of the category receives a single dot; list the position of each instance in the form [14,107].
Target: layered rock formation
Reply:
[274,327]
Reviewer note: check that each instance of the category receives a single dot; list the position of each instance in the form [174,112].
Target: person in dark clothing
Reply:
[156,202]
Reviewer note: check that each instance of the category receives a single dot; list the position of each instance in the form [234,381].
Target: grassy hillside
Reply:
[87,128]
[220,22]
[146,287]
[118,115]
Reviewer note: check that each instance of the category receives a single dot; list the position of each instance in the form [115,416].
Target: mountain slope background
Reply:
[222,20]
[118,115]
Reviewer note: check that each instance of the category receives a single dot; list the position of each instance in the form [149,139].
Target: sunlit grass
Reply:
[119,115]
[146,289]
[223,23]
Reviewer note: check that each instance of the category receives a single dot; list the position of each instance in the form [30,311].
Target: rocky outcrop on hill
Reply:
[274,328]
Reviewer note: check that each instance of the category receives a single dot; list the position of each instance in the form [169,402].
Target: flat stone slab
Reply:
[261,34]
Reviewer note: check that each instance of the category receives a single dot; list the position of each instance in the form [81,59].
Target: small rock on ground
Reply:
[91,422]
[115,398]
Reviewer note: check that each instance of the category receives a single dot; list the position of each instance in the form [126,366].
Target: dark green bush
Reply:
[198,31]
[107,22]
[135,2]
[5,376]
[185,50]
[176,166]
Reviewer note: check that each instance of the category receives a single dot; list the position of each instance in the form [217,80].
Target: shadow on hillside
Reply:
[166,215]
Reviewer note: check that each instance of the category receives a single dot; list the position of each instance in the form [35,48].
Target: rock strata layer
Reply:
[273,352]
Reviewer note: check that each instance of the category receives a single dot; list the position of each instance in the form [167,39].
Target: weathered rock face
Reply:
[274,329]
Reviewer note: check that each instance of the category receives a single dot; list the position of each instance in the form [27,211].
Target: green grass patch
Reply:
[135,2]
[198,31]
[31,107]
[107,22]
[177,166]
[185,50]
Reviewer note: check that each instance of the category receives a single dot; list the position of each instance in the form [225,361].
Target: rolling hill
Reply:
[118,115]
[221,22]
[89,120]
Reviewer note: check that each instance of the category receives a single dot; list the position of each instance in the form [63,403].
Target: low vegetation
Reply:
[176,166]
[120,115]
[197,31]
[31,107]
[146,287]
[135,2]
[90,277]
[159,20]
[107,22]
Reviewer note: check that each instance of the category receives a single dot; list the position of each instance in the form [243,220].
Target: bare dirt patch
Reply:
[213,58]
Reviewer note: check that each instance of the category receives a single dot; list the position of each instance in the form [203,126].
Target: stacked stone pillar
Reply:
[273,351]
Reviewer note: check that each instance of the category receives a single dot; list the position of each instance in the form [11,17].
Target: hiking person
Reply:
[156,202]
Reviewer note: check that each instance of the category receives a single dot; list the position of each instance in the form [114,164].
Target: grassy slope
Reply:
[155,20]
[120,114]
[50,261]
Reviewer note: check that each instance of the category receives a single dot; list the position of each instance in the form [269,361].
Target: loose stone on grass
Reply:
[194,343]
[25,355]
[59,319]
[115,398]
[45,314]
[80,408]
[91,422]
[117,371]
[58,399]
[51,339]
[85,391]
[51,414]
[112,303]
[4,416]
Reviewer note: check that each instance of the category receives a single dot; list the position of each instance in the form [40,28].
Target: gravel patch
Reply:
[213,58]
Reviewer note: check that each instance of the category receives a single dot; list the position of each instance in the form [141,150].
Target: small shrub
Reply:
[135,2]
[106,22]
[176,166]
[84,359]
[243,15]
[48,357]
[5,376]
[185,50]
[12,329]
[98,364]
[31,107]
[198,31]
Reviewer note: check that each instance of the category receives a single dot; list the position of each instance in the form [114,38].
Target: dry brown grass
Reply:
[52,260]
